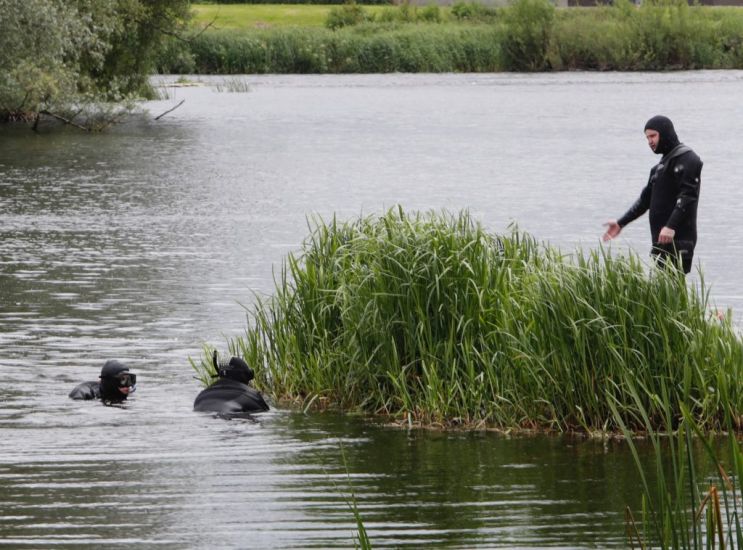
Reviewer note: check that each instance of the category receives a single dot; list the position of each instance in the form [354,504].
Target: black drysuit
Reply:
[231,395]
[671,195]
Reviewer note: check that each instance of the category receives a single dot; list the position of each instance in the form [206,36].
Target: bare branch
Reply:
[202,31]
[170,110]
[63,119]
[176,34]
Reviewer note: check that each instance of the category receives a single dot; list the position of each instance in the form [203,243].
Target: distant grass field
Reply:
[251,16]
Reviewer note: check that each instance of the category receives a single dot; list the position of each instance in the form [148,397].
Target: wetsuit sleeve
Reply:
[688,172]
[640,206]
[86,390]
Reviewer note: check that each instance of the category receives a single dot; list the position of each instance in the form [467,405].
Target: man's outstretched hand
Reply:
[612,230]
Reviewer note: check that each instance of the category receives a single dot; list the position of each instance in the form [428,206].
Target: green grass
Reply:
[259,16]
[428,318]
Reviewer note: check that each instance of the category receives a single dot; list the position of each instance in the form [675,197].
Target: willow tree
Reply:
[60,57]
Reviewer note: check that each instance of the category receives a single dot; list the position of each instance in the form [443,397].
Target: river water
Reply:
[144,242]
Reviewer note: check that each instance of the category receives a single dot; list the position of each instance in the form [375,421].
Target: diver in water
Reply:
[114,386]
[231,395]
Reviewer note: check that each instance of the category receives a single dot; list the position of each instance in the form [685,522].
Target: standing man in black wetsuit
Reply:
[671,195]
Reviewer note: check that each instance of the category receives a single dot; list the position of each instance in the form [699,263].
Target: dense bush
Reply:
[528,29]
[346,15]
[432,317]
[473,11]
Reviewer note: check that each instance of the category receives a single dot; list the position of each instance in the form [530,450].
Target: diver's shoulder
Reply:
[688,154]
[86,390]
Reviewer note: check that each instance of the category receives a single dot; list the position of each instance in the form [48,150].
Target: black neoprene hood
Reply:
[109,384]
[112,368]
[237,370]
[668,138]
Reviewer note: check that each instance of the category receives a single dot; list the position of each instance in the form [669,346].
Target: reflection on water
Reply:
[120,478]
[142,243]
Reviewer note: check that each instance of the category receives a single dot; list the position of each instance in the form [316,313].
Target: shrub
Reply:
[346,15]
[429,14]
[528,28]
[473,12]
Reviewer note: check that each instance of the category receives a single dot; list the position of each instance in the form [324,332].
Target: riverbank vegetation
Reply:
[430,319]
[80,60]
[530,35]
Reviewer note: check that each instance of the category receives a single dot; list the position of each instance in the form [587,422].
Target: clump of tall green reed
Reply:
[691,498]
[367,48]
[428,317]
[232,85]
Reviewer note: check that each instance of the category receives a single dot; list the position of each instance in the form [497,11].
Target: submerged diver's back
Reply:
[229,397]
[231,394]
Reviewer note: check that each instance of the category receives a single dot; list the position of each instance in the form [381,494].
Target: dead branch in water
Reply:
[170,110]
[62,119]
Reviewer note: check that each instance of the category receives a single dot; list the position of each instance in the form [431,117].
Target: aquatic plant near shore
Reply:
[689,500]
[428,317]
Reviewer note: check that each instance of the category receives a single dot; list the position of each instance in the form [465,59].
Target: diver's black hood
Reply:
[109,384]
[668,138]
[237,370]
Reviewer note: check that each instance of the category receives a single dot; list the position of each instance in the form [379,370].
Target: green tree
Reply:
[140,31]
[57,56]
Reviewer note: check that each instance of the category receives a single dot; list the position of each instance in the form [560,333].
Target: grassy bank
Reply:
[530,35]
[429,318]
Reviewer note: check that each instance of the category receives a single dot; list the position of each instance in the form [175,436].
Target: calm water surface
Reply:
[144,242]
